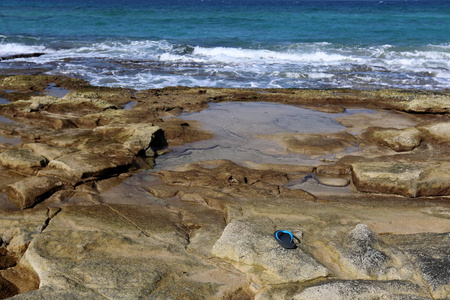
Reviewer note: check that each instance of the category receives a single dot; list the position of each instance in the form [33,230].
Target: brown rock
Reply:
[22,277]
[407,179]
[7,261]
[313,145]
[423,102]
[24,82]
[335,169]
[222,173]
[192,197]
[7,289]
[48,151]
[22,159]
[282,168]
[438,133]
[363,290]
[162,191]
[397,139]
[333,181]
[137,138]
[68,138]
[8,177]
[31,190]
[430,254]
[118,96]
[251,246]
[86,251]
[84,165]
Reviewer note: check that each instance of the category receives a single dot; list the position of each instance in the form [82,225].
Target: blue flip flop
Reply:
[285,239]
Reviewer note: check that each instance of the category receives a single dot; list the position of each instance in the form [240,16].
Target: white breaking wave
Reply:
[236,55]
[15,48]
[145,64]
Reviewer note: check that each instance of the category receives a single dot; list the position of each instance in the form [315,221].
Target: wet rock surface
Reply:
[83,214]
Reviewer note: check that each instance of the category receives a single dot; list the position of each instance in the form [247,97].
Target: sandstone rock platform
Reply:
[89,211]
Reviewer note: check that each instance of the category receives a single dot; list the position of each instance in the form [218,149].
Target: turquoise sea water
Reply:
[248,43]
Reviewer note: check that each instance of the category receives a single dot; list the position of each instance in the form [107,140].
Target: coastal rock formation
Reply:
[364,290]
[314,144]
[85,251]
[333,181]
[24,160]
[251,246]
[50,152]
[217,177]
[364,255]
[411,180]
[84,216]
[83,165]
[439,132]
[397,139]
[432,261]
[29,191]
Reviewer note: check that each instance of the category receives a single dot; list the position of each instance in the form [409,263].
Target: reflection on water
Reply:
[129,105]
[10,140]
[5,139]
[55,91]
[235,125]
[6,120]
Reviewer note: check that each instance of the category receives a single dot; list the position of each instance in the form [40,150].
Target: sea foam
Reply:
[17,48]
[147,63]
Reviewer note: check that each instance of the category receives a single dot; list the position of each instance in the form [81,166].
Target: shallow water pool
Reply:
[235,125]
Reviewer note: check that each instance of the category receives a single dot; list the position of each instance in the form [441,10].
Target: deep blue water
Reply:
[247,43]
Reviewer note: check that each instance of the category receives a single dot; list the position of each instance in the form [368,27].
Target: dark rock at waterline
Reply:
[25,55]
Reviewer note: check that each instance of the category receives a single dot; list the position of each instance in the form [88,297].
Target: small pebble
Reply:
[333,181]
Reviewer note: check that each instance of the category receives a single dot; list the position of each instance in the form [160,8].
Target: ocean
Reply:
[231,43]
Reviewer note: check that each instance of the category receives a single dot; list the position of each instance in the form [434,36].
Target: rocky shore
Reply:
[84,213]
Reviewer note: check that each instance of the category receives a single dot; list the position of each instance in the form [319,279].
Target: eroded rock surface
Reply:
[363,290]
[433,261]
[29,191]
[408,179]
[314,144]
[22,160]
[251,246]
[397,139]
[91,220]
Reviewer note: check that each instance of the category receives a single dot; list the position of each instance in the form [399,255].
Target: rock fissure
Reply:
[51,213]
[143,231]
